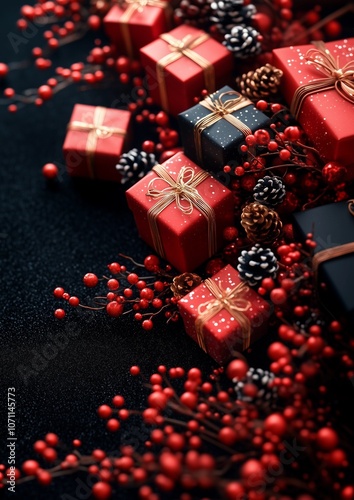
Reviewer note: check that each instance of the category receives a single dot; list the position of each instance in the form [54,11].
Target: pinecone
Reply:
[243,41]
[193,12]
[134,165]
[184,283]
[260,84]
[267,394]
[269,190]
[225,14]
[262,224]
[257,264]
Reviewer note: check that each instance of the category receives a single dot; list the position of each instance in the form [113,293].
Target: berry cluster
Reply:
[283,151]
[127,292]
[209,439]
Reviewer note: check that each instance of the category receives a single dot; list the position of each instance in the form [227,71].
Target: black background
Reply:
[51,236]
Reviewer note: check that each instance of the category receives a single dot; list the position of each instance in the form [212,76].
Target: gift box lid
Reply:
[210,49]
[320,111]
[222,134]
[332,225]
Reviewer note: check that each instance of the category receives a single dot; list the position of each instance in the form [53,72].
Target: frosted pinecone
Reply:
[134,165]
[225,14]
[243,42]
[263,379]
[269,191]
[256,264]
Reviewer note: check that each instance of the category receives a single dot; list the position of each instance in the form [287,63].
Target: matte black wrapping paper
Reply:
[220,141]
[332,225]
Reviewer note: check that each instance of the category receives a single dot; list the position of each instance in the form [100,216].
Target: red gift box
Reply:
[181,211]
[95,140]
[224,315]
[326,116]
[183,62]
[136,24]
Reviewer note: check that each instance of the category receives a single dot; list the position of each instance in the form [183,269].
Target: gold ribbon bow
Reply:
[220,109]
[96,130]
[182,191]
[340,79]
[232,301]
[135,6]
[334,252]
[180,48]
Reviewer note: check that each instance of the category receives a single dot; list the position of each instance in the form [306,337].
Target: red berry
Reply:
[189,399]
[94,22]
[234,491]
[134,370]
[113,284]
[327,439]
[90,280]
[262,136]
[118,401]
[102,491]
[237,369]
[147,324]
[151,262]
[50,455]
[276,424]
[39,446]
[227,436]
[157,400]
[278,296]
[51,439]
[104,411]
[59,313]
[74,301]
[58,292]
[113,425]
[44,477]
[4,69]
[30,467]
[262,105]
[45,92]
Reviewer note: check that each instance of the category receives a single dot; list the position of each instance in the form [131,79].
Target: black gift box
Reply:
[220,141]
[332,226]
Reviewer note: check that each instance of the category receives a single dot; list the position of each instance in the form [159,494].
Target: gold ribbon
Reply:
[334,252]
[182,191]
[96,130]
[340,79]
[133,6]
[220,110]
[180,48]
[232,301]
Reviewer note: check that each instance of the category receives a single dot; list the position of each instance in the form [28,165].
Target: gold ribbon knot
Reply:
[220,109]
[136,6]
[96,130]
[230,299]
[340,79]
[183,192]
[180,48]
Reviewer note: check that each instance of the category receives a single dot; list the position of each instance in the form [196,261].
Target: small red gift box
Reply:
[224,315]
[136,24]
[323,108]
[183,62]
[95,140]
[181,211]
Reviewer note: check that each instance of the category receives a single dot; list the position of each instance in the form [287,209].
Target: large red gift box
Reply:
[136,24]
[326,116]
[181,211]
[224,315]
[95,140]
[183,62]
